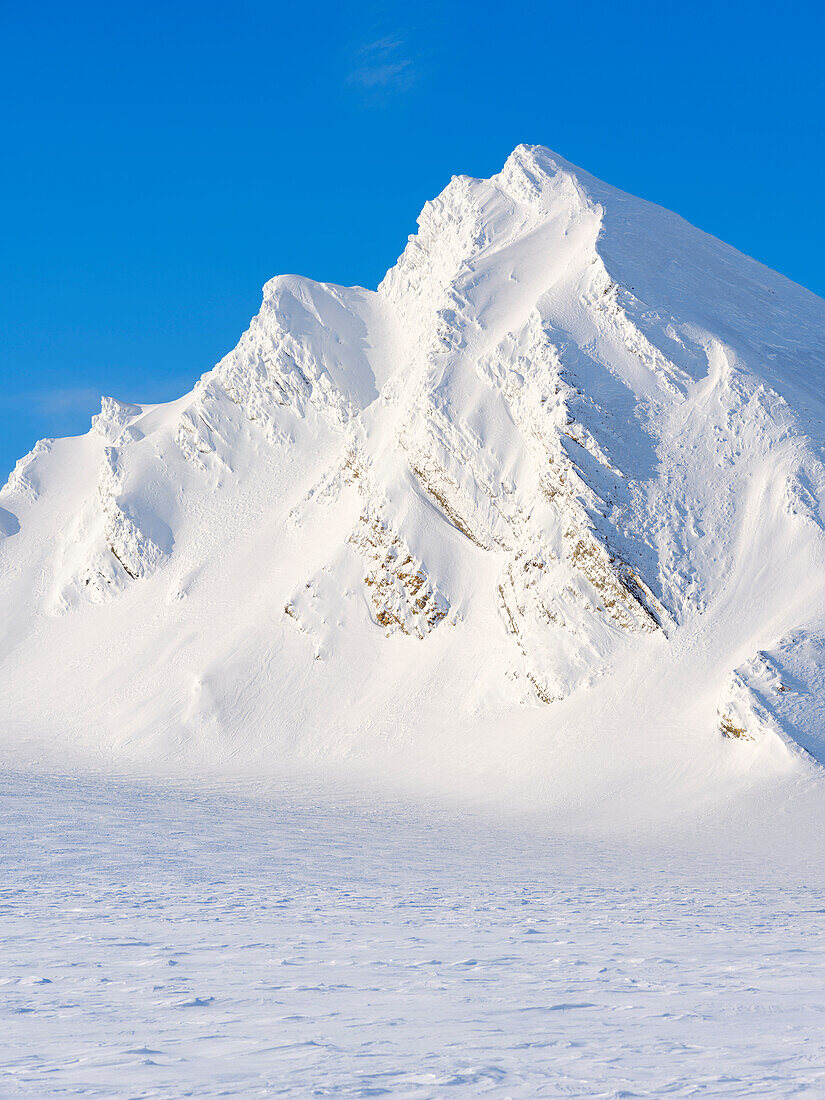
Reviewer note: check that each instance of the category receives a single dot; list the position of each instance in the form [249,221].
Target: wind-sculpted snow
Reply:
[23,483]
[561,472]
[307,350]
[114,418]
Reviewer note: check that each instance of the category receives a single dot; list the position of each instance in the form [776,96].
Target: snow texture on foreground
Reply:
[159,942]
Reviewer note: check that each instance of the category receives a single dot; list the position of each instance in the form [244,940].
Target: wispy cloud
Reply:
[67,400]
[63,401]
[53,402]
[383,66]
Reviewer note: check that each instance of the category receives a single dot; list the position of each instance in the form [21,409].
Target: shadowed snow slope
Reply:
[542,514]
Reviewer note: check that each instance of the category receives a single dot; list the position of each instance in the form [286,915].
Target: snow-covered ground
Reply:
[179,940]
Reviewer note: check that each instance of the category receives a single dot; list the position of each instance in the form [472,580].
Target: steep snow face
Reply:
[546,508]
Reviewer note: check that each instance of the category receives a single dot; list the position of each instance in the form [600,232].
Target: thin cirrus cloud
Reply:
[54,402]
[68,400]
[383,66]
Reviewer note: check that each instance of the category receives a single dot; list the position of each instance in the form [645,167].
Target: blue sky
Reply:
[162,160]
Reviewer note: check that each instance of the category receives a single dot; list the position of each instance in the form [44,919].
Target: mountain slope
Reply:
[544,511]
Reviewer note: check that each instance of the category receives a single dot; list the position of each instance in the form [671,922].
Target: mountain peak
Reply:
[547,501]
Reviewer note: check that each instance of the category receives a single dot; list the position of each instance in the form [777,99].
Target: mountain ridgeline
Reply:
[545,510]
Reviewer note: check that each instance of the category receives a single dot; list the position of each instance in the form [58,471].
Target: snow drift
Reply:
[543,512]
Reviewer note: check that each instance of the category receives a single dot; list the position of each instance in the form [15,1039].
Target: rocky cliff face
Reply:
[564,465]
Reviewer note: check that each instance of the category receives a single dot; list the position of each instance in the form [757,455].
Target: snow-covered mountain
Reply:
[544,511]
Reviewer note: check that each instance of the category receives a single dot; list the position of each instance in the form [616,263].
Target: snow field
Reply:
[165,942]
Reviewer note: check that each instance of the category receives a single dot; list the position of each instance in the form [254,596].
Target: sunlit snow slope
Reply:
[544,511]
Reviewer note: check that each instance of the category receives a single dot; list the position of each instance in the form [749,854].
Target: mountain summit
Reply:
[544,511]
